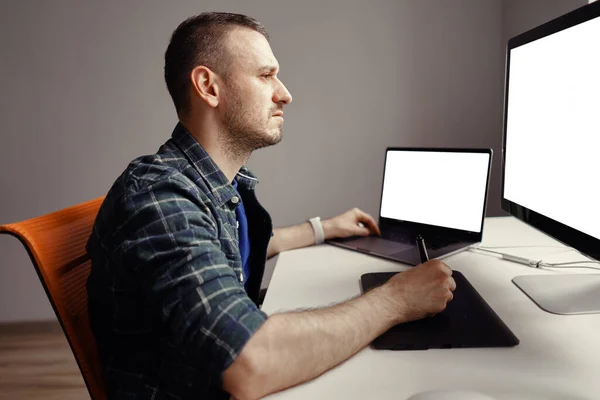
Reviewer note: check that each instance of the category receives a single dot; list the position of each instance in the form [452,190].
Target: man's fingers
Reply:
[452,284]
[447,270]
[367,220]
[363,232]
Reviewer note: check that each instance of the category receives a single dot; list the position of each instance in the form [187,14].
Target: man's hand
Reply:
[421,291]
[351,223]
[354,222]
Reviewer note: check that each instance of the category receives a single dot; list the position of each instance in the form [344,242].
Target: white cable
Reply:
[577,262]
[547,265]
[566,248]
[514,247]
[540,263]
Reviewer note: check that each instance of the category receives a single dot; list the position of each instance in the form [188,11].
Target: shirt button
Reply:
[237,224]
[235,199]
[241,277]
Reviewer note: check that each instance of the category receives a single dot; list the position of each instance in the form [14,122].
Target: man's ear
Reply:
[205,85]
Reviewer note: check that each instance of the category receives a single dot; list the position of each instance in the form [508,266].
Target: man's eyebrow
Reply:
[268,68]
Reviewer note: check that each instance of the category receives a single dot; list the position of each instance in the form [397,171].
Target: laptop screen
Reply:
[439,188]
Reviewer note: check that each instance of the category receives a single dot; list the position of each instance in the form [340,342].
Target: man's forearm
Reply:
[289,238]
[291,348]
[293,237]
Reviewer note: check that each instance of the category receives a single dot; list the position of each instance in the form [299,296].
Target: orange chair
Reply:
[56,244]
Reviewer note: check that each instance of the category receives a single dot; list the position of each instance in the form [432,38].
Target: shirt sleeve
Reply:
[169,241]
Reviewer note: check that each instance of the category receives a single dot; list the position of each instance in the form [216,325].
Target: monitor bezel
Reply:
[432,230]
[583,242]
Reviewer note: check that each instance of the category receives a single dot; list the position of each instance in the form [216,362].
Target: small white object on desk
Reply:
[450,395]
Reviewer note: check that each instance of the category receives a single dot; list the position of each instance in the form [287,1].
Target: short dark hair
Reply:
[199,41]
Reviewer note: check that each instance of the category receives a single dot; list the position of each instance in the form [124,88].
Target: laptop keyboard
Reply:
[439,243]
[398,237]
[433,243]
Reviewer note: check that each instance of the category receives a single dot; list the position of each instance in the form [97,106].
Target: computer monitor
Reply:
[551,147]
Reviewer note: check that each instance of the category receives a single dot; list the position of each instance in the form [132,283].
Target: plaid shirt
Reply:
[167,301]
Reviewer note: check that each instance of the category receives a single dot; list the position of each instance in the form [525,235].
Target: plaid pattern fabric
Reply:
[166,292]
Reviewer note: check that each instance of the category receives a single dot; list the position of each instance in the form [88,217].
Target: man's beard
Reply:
[245,131]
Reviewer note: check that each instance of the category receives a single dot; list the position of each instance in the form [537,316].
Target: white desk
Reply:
[558,356]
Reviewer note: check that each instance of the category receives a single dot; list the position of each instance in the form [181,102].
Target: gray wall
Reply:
[83,94]
[522,15]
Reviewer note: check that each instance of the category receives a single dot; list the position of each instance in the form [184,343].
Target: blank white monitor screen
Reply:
[444,189]
[552,164]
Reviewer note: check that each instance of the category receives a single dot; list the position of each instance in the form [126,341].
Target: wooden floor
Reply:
[36,363]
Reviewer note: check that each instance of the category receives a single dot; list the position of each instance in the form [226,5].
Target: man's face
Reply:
[253,96]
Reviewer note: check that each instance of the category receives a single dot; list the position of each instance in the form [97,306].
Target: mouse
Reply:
[450,395]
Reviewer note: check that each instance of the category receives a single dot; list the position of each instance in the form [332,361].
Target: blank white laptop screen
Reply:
[553,127]
[436,188]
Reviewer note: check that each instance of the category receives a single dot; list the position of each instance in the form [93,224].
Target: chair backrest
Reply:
[56,244]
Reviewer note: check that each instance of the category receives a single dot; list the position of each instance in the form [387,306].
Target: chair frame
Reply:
[96,390]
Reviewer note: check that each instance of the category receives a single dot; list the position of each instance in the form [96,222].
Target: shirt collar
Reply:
[210,172]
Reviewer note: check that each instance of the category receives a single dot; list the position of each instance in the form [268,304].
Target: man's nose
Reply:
[282,95]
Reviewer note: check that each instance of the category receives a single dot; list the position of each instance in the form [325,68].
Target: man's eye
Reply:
[267,76]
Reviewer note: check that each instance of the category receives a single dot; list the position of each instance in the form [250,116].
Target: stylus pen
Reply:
[422,249]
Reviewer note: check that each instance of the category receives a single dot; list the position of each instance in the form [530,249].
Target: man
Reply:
[179,245]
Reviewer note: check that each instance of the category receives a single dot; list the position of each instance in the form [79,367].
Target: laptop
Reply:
[437,193]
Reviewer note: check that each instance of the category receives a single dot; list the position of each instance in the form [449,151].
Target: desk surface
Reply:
[558,356]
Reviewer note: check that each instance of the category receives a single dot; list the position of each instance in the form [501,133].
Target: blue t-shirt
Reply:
[240,214]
